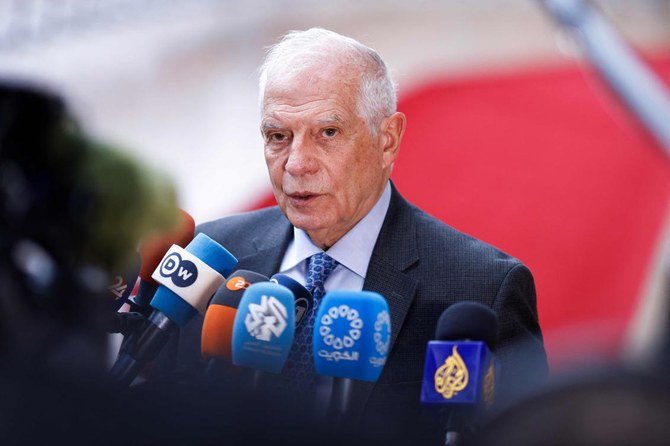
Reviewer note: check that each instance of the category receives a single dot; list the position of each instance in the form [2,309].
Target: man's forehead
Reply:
[317,79]
[275,119]
[328,96]
[316,68]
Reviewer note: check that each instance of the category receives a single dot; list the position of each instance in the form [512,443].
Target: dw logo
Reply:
[182,272]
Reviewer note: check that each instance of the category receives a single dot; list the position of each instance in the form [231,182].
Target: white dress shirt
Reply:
[352,251]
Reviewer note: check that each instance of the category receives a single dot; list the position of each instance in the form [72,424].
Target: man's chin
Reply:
[308,222]
[305,224]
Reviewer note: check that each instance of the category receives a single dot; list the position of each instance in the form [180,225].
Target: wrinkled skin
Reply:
[326,166]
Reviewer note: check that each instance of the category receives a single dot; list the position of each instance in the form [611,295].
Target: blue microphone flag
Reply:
[352,334]
[458,372]
[264,327]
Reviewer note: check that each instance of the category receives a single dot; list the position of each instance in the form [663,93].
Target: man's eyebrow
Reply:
[332,119]
[269,125]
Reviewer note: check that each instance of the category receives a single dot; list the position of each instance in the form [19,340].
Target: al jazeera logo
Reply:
[452,377]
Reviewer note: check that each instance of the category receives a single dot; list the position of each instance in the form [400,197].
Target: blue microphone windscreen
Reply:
[212,253]
[173,306]
[264,327]
[352,334]
[303,298]
[189,280]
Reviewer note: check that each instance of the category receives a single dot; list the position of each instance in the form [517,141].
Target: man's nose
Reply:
[302,157]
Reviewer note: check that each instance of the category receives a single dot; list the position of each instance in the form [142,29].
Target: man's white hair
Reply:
[301,50]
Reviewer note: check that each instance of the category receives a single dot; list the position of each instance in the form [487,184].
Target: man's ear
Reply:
[390,135]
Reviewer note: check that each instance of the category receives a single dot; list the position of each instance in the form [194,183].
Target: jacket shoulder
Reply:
[236,231]
[457,247]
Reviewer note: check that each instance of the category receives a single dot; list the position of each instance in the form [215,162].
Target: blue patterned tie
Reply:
[300,364]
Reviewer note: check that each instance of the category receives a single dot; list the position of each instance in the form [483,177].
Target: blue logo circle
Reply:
[182,272]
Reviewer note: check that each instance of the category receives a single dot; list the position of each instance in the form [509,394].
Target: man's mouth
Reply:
[302,198]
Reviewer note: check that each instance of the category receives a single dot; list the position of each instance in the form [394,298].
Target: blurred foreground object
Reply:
[610,407]
[71,211]
[631,80]
[72,193]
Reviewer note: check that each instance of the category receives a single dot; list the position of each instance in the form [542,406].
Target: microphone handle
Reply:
[135,355]
[145,292]
[340,403]
[126,323]
[459,425]
[347,400]
[125,369]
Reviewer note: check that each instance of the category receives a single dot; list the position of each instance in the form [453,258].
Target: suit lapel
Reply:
[270,246]
[394,252]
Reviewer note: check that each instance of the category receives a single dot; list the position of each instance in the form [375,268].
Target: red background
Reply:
[548,166]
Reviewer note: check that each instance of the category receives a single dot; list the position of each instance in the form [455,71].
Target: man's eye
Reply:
[329,133]
[276,137]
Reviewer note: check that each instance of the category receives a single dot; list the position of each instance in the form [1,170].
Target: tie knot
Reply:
[319,267]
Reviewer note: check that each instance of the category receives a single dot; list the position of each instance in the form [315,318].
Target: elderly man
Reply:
[332,135]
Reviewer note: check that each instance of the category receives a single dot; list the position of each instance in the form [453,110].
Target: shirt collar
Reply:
[353,250]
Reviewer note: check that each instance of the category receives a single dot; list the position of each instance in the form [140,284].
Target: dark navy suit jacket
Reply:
[421,266]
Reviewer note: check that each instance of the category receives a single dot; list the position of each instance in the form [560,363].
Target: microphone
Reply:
[460,369]
[188,278]
[151,251]
[264,327]
[119,290]
[352,335]
[303,298]
[122,285]
[217,328]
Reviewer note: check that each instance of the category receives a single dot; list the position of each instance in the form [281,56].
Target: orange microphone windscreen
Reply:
[217,331]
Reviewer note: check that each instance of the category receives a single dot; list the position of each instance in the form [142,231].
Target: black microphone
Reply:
[122,285]
[303,298]
[460,369]
[120,289]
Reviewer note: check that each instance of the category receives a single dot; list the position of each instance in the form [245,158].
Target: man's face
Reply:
[326,168]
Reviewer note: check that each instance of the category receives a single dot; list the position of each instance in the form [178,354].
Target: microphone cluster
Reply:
[250,321]
[188,278]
